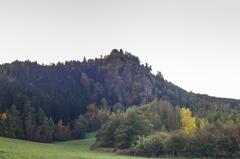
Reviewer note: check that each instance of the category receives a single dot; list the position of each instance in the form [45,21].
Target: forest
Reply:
[134,111]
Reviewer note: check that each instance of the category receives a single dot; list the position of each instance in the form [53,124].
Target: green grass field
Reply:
[76,149]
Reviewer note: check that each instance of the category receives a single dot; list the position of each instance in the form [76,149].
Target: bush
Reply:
[211,142]
[105,136]
[176,145]
[201,144]
[214,142]
[150,146]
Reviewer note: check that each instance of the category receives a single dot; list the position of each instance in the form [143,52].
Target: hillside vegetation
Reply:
[160,129]
[65,100]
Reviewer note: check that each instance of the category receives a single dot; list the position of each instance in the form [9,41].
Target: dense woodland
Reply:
[65,100]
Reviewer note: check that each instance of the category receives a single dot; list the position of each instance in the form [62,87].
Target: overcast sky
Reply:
[195,44]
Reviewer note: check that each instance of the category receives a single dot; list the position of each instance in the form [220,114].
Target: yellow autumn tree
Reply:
[188,123]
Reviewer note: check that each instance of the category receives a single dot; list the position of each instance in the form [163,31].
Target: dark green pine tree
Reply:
[80,127]
[29,121]
[15,123]
[46,130]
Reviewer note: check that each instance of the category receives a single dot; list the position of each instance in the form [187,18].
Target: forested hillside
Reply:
[51,97]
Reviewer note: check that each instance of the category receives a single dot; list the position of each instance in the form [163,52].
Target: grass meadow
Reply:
[75,149]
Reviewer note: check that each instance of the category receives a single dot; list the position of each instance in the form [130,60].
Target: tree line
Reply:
[159,129]
[33,124]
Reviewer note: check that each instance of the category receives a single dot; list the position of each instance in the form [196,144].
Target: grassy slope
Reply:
[76,149]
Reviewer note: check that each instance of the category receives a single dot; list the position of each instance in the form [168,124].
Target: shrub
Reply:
[105,136]
[201,144]
[176,145]
[214,142]
[148,146]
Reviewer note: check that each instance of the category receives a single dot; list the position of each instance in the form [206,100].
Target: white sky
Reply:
[195,44]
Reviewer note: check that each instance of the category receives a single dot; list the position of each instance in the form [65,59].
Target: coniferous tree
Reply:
[29,121]
[47,130]
[63,132]
[40,116]
[15,123]
[80,127]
